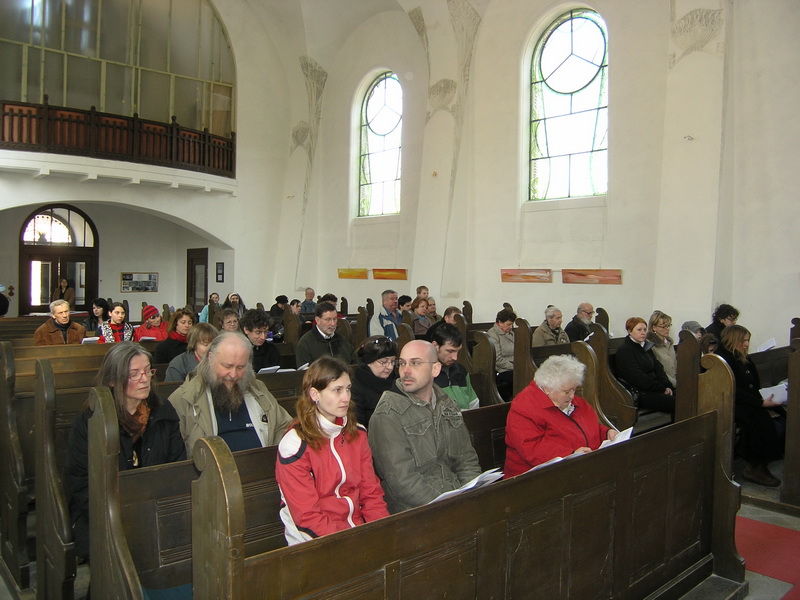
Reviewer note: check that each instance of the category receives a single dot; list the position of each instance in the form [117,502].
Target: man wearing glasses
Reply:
[419,442]
[578,328]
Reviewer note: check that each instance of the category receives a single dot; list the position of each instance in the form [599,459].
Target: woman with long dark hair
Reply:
[99,315]
[324,468]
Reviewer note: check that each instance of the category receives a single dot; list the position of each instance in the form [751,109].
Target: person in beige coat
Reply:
[501,335]
[224,398]
[549,333]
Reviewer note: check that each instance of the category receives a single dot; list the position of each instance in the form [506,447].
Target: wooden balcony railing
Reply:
[45,128]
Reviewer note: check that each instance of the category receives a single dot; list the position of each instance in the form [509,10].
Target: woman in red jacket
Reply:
[547,420]
[324,467]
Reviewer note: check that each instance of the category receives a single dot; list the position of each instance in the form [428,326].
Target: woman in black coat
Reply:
[149,430]
[373,375]
[641,371]
[761,419]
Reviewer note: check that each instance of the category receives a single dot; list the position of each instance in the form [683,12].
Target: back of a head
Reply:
[254,318]
[447,333]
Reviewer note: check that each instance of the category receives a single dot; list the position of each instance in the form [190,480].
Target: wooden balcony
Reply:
[60,130]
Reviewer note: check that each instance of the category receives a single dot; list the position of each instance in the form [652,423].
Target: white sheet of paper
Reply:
[779,391]
[622,436]
[770,343]
[269,370]
[90,340]
[481,480]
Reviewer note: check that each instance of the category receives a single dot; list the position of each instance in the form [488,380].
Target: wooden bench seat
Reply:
[149,544]
[651,516]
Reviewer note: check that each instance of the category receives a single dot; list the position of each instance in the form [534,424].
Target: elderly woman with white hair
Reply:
[547,420]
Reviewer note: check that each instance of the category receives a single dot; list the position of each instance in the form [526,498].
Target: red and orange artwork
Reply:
[526,275]
[390,274]
[353,273]
[593,276]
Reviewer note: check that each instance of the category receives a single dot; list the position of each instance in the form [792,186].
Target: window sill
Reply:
[565,203]
[376,220]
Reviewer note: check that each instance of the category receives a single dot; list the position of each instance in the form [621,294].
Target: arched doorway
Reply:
[57,242]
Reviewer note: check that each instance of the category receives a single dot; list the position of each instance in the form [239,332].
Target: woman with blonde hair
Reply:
[324,467]
[663,346]
[762,421]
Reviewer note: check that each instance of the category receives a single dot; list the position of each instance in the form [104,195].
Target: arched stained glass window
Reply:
[569,108]
[381,140]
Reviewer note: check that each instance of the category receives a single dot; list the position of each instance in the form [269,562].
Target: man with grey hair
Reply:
[224,398]
[308,304]
[578,329]
[387,318]
[59,329]
[549,332]
[419,442]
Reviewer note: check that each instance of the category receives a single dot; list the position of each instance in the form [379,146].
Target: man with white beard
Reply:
[224,398]
[578,328]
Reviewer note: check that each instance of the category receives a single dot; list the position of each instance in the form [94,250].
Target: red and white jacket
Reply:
[329,489]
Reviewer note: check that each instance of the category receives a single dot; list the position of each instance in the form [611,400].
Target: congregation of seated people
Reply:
[376,432]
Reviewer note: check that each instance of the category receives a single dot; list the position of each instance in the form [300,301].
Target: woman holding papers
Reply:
[763,421]
[324,467]
[547,420]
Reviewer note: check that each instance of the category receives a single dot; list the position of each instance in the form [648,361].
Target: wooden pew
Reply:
[128,543]
[790,491]
[362,327]
[482,373]
[404,335]
[141,524]
[602,318]
[20,327]
[467,311]
[464,356]
[55,547]
[69,392]
[654,515]
[617,401]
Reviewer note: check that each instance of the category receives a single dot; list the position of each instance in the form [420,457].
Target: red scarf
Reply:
[174,335]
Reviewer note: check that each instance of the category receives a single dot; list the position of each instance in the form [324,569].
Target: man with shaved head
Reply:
[419,442]
[224,398]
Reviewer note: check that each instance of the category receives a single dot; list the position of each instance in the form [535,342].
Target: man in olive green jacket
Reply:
[419,442]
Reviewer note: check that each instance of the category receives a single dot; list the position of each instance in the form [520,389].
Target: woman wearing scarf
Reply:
[116,329]
[153,326]
[179,326]
[149,430]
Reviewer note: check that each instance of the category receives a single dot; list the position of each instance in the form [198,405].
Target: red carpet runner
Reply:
[770,550]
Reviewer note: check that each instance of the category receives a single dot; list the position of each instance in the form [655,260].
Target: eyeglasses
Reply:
[137,375]
[588,312]
[386,362]
[415,363]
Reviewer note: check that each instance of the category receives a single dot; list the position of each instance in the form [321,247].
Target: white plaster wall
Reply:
[761,183]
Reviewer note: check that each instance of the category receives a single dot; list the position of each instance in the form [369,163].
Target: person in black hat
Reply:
[373,375]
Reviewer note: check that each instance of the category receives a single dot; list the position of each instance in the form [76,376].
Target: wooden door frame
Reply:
[196,256]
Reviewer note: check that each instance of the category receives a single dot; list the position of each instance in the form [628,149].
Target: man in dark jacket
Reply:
[578,328]
[323,340]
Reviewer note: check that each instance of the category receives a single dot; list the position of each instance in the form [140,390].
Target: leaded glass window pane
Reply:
[569,109]
[381,143]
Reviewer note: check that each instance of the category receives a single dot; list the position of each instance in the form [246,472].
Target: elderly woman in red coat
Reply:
[547,420]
